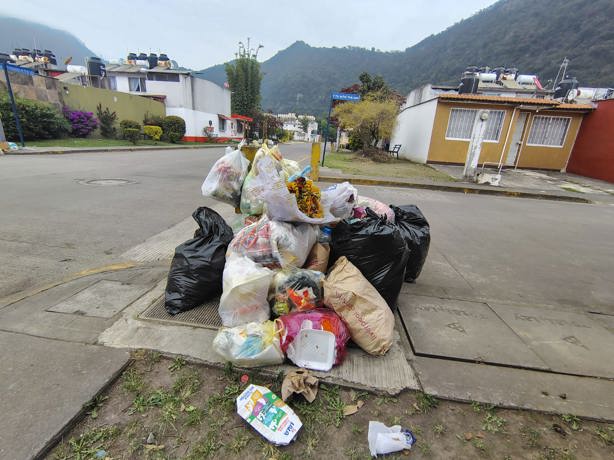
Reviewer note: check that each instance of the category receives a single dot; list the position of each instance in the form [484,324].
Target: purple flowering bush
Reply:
[82,123]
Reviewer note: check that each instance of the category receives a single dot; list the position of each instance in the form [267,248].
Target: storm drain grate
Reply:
[203,316]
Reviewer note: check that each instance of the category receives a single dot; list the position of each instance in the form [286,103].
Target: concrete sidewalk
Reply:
[332,175]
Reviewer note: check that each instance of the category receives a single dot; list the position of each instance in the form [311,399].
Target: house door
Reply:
[514,148]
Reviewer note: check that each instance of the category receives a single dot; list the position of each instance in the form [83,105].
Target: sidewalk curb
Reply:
[117,149]
[63,431]
[456,188]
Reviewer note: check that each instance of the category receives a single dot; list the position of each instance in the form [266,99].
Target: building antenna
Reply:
[562,71]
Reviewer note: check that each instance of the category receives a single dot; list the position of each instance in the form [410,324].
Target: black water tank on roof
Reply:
[96,67]
[142,57]
[153,60]
[567,84]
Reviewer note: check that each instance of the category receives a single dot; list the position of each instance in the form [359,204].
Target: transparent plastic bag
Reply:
[343,198]
[254,185]
[275,244]
[226,177]
[245,288]
[297,289]
[250,345]
[320,318]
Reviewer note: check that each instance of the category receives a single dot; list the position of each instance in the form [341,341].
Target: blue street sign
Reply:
[345,97]
[17,69]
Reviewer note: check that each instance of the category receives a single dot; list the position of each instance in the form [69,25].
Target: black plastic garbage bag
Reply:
[376,247]
[417,234]
[196,270]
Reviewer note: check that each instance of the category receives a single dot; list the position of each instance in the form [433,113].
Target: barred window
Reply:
[494,125]
[548,131]
[461,121]
[460,124]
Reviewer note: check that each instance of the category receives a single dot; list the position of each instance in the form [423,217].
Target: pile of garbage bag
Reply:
[307,269]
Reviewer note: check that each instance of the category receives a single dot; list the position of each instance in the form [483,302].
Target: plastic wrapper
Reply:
[244,296]
[378,207]
[275,244]
[266,412]
[250,345]
[377,248]
[417,235]
[196,271]
[386,440]
[318,319]
[364,311]
[226,177]
[343,198]
[297,289]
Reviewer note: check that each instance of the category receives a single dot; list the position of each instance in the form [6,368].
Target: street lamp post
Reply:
[4,59]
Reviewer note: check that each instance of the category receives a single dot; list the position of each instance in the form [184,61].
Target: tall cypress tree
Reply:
[244,78]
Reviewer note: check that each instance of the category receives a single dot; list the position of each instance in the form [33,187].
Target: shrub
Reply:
[107,120]
[124,124]
[173,128]
[38,120]
[153,120]
[82,123]
[153,132]
[131,134]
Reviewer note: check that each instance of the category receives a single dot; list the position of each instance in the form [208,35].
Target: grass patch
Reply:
[425,403]
[572,421]
[531,436]
[493,424]
[133,381]
[85,446]
[206,447]
[95,404]
[350,163]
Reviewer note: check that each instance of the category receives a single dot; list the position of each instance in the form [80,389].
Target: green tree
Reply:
[244,78]
[304,122]
[370,120]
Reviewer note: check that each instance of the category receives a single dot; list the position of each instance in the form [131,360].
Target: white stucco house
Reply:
[291,122]
[204,105]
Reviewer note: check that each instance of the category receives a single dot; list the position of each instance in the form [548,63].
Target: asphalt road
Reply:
[52,223]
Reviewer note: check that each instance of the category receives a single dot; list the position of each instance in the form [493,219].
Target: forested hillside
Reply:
[532,35]
[18,33]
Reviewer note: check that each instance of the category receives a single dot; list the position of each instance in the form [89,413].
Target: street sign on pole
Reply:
[334,96]
[345,97]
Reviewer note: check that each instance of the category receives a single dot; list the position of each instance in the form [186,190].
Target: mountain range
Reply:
[19,33]
[532,35]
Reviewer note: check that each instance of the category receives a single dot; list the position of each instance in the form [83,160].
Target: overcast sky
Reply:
[201,33]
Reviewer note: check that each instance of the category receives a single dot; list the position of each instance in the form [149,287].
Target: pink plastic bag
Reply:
[378,207]
[320,318]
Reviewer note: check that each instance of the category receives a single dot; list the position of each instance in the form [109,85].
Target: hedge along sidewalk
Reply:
[127,148]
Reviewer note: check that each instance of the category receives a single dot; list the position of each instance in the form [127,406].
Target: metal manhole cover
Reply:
[106,182]
[204,315]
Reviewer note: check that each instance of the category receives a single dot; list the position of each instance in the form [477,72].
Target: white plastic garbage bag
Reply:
[250,345]
[275,244]
[245,288]
[385,440]
[226,177]
[343,198]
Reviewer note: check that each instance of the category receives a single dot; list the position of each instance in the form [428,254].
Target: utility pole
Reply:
[4,59]
[475,144]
